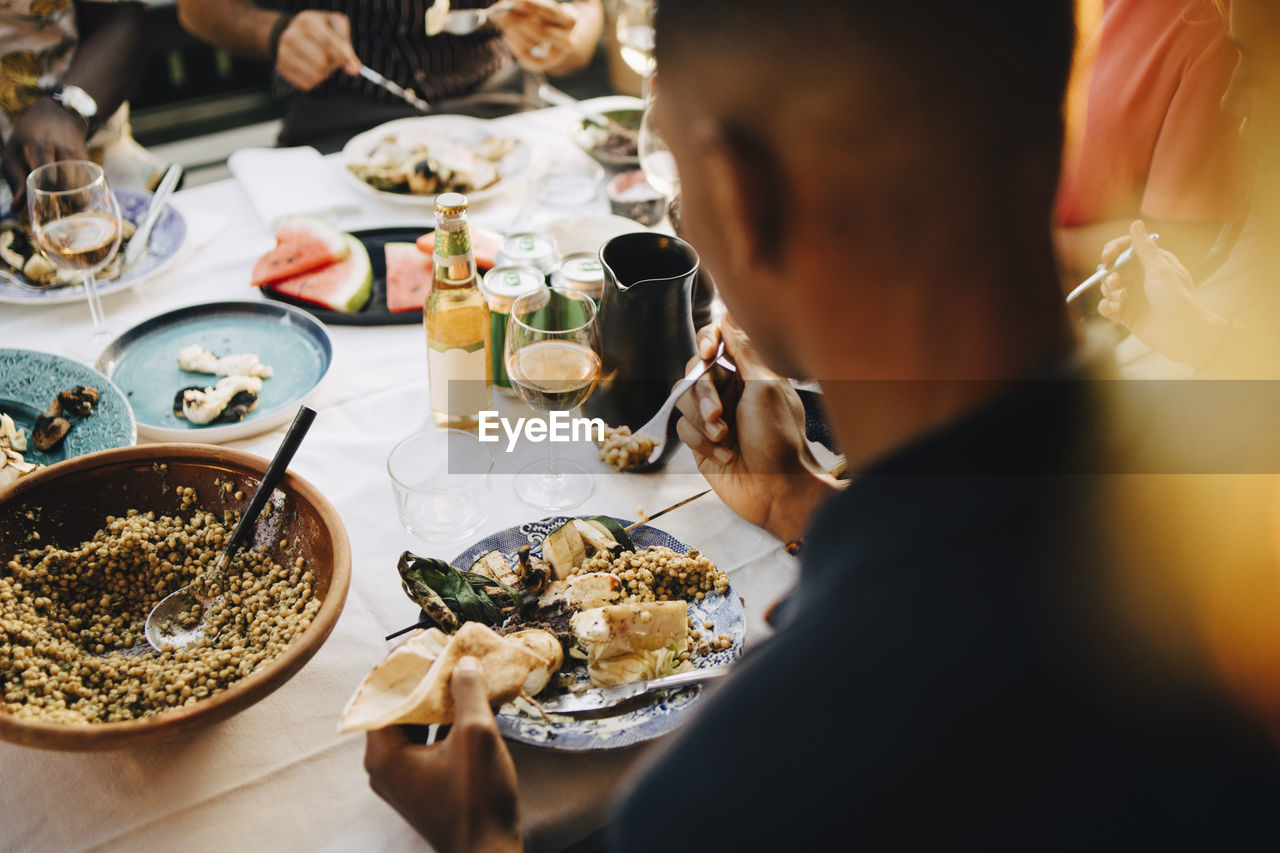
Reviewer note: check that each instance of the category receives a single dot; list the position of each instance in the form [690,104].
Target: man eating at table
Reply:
[992,645]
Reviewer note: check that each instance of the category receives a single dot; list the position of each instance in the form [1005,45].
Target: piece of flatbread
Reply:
[506,665]
[386,690]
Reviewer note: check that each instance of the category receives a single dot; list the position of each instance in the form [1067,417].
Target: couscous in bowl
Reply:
[67,574]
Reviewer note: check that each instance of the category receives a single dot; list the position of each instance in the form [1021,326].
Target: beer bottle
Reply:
[456,315]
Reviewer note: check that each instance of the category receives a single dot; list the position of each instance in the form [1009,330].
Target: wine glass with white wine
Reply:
[553,362]
[635,38]
[75,222]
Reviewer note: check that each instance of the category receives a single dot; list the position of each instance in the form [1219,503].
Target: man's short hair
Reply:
[992,68]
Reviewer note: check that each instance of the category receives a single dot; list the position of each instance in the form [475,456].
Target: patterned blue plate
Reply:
[166,239]
[144,363]
[29,381]
[663,711]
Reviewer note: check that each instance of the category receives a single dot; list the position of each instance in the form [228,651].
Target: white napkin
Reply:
[287,181]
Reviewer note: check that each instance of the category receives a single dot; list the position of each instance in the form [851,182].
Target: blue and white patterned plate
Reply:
[166,239]
[29,380]
[665,710]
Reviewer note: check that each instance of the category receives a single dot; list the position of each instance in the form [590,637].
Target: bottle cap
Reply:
[451,203]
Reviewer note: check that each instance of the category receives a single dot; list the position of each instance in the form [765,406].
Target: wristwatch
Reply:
[75,100]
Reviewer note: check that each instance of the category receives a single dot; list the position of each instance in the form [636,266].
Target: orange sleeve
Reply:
[1197,166]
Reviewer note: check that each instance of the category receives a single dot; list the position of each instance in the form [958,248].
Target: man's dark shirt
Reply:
[949,674]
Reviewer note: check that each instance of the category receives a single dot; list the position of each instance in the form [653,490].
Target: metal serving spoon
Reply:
[142,236]
[165,622]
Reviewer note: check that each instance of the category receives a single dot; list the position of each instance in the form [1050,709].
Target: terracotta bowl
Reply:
[75,497]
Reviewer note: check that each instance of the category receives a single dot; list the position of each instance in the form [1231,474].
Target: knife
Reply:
[142,235]
[407,95]
[599,698]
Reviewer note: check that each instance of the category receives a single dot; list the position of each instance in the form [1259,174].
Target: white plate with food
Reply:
[411,160]
[586,616]
[167,237]
[615,143]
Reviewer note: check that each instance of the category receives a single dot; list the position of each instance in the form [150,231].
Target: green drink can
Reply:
[501,287]
[530,249]
[582,272]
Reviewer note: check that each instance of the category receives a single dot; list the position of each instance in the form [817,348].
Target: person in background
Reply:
[68,67]
[1228,324]
[991,644]
[317,49]
[1147,137]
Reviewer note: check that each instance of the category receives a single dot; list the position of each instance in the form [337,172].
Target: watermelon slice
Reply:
[303,243]
[344,286]
[484,243]
[409,272]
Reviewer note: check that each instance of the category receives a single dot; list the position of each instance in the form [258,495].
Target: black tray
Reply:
[375,312]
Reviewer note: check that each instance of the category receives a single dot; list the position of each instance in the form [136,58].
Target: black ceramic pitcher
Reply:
[646,328]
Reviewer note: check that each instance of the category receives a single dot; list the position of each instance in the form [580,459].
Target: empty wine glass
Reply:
[75,222]
[656,160]
[553,362]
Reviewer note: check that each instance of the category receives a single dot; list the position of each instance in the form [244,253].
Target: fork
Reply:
[657,425]
[1103,271]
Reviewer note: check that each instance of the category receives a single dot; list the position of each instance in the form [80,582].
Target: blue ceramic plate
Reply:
[29,381]
[664,711]
[166,239]
[143,362]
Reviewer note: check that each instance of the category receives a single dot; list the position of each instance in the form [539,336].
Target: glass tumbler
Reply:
[440,479]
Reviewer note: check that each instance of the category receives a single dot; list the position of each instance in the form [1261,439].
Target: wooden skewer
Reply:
[537,706]
[661,512]
[835,471]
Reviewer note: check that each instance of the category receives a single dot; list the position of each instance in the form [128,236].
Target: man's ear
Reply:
[744,183]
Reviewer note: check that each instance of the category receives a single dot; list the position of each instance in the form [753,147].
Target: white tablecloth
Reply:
[278,776]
